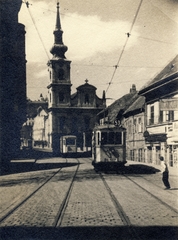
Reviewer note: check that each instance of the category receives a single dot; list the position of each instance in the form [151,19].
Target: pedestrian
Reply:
[165,173]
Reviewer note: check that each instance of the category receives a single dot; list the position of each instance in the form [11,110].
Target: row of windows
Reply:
[137,155]
[135,125]
[164,116]
[110,138]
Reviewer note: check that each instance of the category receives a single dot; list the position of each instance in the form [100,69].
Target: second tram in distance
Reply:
[109,148]
[68,144]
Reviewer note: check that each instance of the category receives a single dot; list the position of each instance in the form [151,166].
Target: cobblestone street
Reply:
[68,200]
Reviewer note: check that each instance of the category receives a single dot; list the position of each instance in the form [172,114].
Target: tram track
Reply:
[125,219]
[59,216]
[153,183]
[129,215]
[11,211]
[152,195]
[61,212]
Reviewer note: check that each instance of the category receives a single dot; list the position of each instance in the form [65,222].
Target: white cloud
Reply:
[95,45]
[85,36]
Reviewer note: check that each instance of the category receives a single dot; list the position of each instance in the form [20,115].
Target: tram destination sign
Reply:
[169,104]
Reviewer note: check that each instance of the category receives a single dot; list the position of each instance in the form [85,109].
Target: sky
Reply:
[95,32]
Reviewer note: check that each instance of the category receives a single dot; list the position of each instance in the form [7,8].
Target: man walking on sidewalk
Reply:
[165,172]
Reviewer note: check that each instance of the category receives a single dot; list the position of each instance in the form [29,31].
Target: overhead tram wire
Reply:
[149,39]
[111,66]
[128,35]
[163,13]
[27,4]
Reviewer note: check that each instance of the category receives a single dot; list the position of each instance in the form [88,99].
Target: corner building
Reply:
[12,81]
[69,114]
[161,96]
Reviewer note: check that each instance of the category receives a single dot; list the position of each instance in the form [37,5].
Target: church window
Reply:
[61,97]
[61,74]
[86,98]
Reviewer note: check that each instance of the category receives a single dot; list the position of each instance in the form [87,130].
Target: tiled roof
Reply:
[169,70]
[120,105]
[86,85]
[32,107]
[136,105]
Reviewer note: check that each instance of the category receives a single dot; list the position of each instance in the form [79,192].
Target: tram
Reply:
[109,148]
[68,144]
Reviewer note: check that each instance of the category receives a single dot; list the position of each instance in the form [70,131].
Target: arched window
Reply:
[86,98]
[61,97]
[61,74]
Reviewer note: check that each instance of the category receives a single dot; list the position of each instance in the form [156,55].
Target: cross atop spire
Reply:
[58,22]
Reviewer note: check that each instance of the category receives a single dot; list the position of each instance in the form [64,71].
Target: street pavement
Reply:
[33,202]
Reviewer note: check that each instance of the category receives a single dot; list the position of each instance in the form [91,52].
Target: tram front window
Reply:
[118,139]
[111,138]
[104,139]
[70,141]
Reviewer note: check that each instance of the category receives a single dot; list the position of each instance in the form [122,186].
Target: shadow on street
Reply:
[26,162]
[89,233]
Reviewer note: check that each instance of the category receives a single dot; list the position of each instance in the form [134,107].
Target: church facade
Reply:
[69,114]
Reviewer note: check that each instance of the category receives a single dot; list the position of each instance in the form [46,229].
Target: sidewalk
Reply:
[172,170]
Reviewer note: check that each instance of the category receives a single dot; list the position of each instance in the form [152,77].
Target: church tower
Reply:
[59,70]
[69,114]
[59,88]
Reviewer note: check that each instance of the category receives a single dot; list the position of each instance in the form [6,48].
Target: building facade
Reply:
[27,129]
[161,135]
[134,122]
[12,80]
[40,128]
[69,113]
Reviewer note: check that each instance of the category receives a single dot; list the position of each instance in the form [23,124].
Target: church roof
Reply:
[86,85]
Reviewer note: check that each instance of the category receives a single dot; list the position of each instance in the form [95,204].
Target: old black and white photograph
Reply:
[88,120]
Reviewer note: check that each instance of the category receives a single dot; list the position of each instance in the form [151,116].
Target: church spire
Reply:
[58,50]
[58,23]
